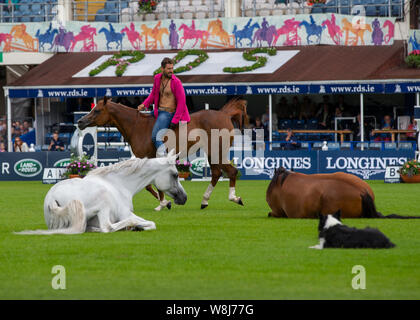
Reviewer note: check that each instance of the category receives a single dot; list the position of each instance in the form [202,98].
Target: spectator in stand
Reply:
[20,146]
[257,132]
[266,119]
[2,126]
[291,141]
[356,130]
[324,116]
[307,110]
[259,125]
[27,126]
[2,147]
[282,109]
[412,126]
[15,133]
[56,144]
[342,106]
[295,108]
[387,124]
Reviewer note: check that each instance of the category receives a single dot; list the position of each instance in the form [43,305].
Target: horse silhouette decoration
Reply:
[133,36]
[312,30]
[265,33]
[46,38]
[112,36]
[377,33]
[245,33]
[297,195]
[103,200]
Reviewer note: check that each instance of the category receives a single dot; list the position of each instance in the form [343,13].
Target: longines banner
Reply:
[368,164]
[241,32]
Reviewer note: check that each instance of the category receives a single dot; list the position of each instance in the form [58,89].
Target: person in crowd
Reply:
[2,147]
[307,109]
[282,109]
[27,126]
[256,134]
[20,146]
[324,116]
[295,108]
[357,130]
[342,105]
[292,142]
[411,136]
[56,144]
[266,119]
[387,124]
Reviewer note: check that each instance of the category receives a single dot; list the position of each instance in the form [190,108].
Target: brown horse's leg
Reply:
[231,172]
[153,192]
[161,197]
[216,173]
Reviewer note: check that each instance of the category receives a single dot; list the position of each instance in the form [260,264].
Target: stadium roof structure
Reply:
[309,69]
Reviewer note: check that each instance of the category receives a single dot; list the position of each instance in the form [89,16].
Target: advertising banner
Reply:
[261,165]
[221,33]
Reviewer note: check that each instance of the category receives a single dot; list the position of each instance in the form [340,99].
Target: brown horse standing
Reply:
[298,195]
[137,130]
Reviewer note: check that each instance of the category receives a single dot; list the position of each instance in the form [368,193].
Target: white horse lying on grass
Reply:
[103,200]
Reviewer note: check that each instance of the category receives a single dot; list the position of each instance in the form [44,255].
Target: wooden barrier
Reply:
[340,132]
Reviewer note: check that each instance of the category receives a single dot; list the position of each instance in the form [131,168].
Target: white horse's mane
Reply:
[129,167]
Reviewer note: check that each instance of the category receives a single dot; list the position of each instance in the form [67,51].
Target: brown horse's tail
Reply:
[369,210]
[236,110]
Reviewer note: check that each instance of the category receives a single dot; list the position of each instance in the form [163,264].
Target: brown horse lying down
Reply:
[298,195]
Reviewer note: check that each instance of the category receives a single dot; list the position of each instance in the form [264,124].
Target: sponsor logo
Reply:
[28,168]
[364,166]
[397,88]
[62,163]
[197,166]
[268,165]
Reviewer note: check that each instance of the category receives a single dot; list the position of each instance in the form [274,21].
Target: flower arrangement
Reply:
[312,2]
[79,166]
[410,168]
[147,6]
[202,56]
[117,60]
[183,166]
[413,59]
[249,55]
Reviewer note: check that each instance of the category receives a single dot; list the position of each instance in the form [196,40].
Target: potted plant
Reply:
[183,168]
[413,59]
[78,167]
[410,171]
[312,2]
[147,6]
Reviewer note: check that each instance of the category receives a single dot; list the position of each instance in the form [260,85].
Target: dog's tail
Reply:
[369,210]
[70,219]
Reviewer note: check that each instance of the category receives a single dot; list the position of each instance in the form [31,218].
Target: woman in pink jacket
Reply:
[168,95]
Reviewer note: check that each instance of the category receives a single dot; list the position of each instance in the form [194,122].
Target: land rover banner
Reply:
[368,164]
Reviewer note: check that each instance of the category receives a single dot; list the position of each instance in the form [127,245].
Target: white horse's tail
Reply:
[70,219]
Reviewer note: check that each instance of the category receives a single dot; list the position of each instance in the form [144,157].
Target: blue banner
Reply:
[406,87]
[347,88]
[272,89]
[222,89]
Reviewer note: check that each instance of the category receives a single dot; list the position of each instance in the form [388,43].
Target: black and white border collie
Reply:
[333,234]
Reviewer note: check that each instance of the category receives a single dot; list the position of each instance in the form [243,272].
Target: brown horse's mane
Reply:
[236,109]
[279,172]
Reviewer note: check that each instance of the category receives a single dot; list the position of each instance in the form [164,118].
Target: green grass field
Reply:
[223,252]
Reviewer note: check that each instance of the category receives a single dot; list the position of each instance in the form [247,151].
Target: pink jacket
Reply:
[181,112]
